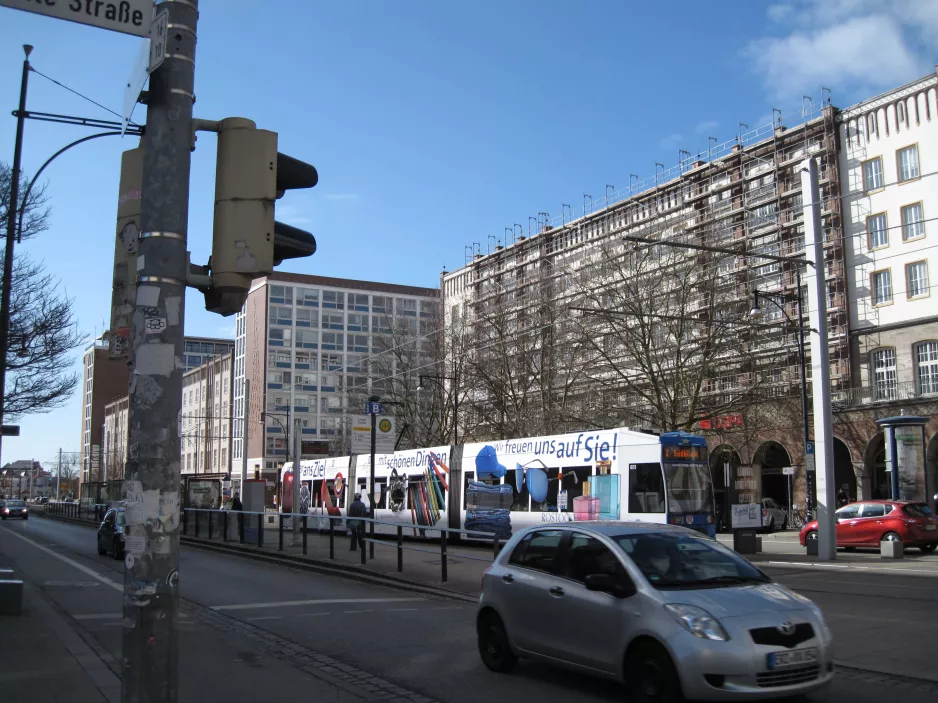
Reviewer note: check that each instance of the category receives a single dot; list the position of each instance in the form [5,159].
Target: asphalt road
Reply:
[420,643]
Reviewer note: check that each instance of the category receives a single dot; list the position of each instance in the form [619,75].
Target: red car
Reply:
[870,522]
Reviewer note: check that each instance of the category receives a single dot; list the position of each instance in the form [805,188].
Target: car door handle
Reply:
[853,523]
[508,578]
[556,591]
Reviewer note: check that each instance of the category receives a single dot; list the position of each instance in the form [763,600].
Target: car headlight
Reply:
[698,622]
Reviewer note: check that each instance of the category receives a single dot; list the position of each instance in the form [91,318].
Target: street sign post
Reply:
[126,16]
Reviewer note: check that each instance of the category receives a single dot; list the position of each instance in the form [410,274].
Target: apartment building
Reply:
[302,347]
[104,412]
[206,417]
[889,160]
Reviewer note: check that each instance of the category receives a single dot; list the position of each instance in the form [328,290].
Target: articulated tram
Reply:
[496,488]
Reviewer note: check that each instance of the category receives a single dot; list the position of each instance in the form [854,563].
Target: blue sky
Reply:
[436,124]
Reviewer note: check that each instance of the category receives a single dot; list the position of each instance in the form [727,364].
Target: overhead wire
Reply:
[81,95]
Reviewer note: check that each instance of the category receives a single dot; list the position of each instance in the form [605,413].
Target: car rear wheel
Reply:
[493,644]
[650,676]
[929,548]
[117,549]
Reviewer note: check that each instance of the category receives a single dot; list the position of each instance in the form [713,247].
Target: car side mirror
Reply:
[620,588]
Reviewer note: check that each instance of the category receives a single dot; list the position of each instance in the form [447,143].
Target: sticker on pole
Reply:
[159,32]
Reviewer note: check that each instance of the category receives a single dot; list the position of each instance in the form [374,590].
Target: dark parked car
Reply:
[870,522]
[111,534]
[14,507]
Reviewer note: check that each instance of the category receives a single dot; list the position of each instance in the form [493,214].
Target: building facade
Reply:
[302,349]
[889,157]
[744,198]
[104,380]
[104,412]
[206,417]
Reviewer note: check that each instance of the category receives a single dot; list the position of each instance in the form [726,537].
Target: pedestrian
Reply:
[236,502]
[357,527]
[842,499]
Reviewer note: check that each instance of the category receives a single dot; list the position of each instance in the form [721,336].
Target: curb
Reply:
[351,573]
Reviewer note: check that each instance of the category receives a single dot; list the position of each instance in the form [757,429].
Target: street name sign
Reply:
[124,16]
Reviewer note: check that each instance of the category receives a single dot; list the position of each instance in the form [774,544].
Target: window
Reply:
[878,235]
[308,297]
[357,322]
[926,363]
[281,315]
[406,306]
[881,286]
[281,337]
[872,510]
[873,174]
[848,512]
[913,222]
[333,321]
[303,359]
[307,318]
[907,161]
[333,299]
[332,341]
[646,488]
[540,551]
[382,304]
[358,343]
[884,374]
[587,555]
[358,301]
[916,279]
[307,339]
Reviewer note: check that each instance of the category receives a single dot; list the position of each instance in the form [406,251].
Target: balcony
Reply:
[880,393]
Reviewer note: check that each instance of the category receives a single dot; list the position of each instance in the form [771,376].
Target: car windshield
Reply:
[918,510]
[689,487]
[16,504]
[686,560]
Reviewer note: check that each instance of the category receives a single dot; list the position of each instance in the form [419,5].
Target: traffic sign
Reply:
[126,16]
[159,32]
[373,408]
[385,436]
[809,456]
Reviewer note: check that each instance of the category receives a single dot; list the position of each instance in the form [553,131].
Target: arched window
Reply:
[885,378]
[926,367]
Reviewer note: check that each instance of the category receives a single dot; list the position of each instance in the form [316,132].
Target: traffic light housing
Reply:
[247,243]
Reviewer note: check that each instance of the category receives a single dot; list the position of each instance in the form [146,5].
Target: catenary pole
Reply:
[152,480]
[820,362]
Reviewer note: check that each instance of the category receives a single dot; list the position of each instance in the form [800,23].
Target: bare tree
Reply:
[668,338]
[418,370]
[43,330]
[522,360]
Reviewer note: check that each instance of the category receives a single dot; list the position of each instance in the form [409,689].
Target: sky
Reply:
[433,125]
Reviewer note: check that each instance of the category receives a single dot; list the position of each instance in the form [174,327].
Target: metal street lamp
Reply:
[454,379]
[757,312]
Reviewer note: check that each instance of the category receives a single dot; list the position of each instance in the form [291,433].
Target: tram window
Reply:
[549,504]
[521,499]
[573,482]
[381,488]
[646,488]
[468,477]
[317,493]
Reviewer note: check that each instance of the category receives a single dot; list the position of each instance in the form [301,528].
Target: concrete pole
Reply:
[820,362]
[149,663]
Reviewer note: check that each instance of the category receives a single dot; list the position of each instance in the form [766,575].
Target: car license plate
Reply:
[930,528]
[795,657]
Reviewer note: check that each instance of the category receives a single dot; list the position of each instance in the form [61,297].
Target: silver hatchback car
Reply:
[668,611]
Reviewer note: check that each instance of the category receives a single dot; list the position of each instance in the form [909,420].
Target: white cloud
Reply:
[870,50]
[672,141]
[777,13]
[706,126]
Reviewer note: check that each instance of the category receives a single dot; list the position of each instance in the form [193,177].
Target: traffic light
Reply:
[247,242]
[124,287]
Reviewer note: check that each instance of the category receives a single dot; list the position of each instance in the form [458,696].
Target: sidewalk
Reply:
[43,660]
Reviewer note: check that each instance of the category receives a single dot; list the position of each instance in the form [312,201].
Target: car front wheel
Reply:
[929,548]
[650,676]
[493,644]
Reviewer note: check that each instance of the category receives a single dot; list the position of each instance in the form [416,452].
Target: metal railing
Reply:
[75,510]
[248,528]
[888,392]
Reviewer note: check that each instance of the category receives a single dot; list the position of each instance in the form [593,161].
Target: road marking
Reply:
[352,612]
[98,616]
[456,607]
[315,615]
[320,601]
[71,562]
[402,610]
[265,617]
